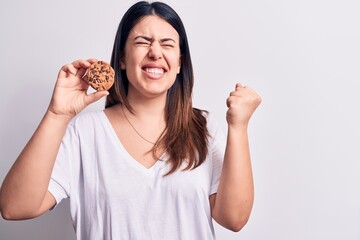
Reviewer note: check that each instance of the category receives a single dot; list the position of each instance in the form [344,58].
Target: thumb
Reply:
[239,85]
[93,97]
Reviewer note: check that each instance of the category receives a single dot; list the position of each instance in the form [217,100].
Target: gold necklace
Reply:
[122,108]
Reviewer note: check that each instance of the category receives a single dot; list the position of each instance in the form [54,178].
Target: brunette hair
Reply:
[186,136]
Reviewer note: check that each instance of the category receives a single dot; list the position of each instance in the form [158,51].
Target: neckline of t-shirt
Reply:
[133,162]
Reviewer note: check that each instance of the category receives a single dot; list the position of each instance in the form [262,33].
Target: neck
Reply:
[147,119]
[149,108]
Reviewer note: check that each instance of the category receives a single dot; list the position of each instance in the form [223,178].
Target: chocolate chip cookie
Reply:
[100,76]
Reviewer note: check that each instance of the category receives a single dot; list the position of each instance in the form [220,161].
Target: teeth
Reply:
[155,70]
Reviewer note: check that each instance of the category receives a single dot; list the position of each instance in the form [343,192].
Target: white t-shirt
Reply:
[112,196]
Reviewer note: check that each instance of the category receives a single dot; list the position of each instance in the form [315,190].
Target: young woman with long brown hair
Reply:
[150,165]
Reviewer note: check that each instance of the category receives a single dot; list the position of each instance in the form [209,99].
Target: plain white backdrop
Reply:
[301,56]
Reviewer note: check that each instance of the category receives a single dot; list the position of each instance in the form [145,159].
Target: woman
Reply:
[150,166]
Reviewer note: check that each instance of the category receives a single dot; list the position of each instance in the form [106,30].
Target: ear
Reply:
[179,67]
[122,63]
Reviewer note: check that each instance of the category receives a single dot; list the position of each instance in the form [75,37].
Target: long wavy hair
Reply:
[185,137]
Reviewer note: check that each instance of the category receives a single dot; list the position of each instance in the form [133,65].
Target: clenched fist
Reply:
[241,103]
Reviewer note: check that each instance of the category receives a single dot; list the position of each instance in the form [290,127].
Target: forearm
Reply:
[235,195]
[25,186]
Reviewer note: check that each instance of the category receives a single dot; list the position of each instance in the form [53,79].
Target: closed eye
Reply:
[167,42]
[142,40]
[142,43]
[168,45]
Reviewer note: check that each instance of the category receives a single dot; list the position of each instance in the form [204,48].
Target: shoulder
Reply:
[214,129]
[88,116]
[212,122]
[86,120]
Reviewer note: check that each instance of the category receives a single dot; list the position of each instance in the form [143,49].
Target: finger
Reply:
[238,85]
[239,91]
[82,66]
[86,78]
[92,60]
[228,102]
[82,71]
[66,70]
[95,96]
[247,93]
[249,89]
[232,102]
[236,93]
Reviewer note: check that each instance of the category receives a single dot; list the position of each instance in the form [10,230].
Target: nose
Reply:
[155,52]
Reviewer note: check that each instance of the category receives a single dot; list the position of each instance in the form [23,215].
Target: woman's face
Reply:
[151,58]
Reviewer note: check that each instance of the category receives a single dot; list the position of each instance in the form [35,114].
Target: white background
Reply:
[301,56]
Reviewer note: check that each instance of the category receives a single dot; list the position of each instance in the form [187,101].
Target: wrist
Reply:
[240,127]
[60,118]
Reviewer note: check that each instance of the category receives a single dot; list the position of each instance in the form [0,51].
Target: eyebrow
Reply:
[167,39]
[144,37]
[151,39]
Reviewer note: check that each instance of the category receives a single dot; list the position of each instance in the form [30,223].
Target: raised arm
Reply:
[231,205]
[23,193]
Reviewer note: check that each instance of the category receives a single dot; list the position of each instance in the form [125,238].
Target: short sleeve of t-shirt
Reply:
[217,144]
[59,185]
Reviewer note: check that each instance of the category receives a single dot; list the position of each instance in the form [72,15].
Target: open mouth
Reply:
[155,71]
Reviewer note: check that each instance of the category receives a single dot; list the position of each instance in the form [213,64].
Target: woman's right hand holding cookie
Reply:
[70,93]
[30,174]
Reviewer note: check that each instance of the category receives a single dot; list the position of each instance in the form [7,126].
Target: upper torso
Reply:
[113,196]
